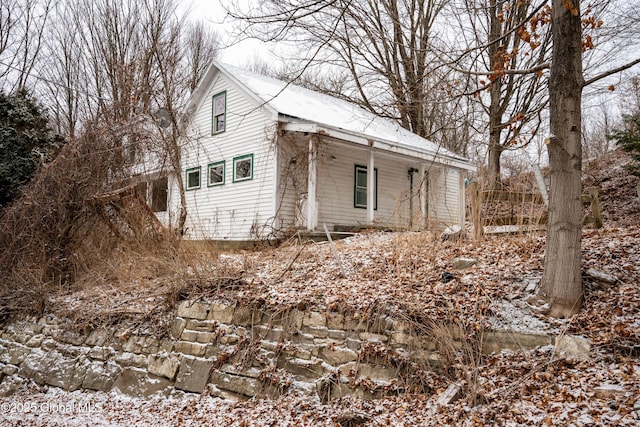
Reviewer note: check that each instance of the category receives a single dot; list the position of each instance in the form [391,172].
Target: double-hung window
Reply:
[360,187]
[219,112]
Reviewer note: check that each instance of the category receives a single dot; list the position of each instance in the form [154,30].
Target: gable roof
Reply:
[309,111]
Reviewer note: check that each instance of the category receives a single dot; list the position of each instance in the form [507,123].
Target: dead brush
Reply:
[414,376]
[148,283]
[42,231]
[409,251]
[461,348]
[450,349]
[433,349]
[82,243]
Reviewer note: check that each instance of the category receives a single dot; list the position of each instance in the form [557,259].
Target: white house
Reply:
[262,158]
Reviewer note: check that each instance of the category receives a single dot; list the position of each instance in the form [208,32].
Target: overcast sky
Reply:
[234,52]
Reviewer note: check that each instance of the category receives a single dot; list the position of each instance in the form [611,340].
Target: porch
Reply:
[325,180]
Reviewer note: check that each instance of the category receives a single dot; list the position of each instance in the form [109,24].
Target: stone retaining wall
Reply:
[233,352]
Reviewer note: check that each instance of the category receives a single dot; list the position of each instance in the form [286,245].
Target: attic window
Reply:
[360,188]
[219,112]
[193,178]
[243,168]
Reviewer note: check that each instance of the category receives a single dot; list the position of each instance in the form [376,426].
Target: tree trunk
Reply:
[561,284]
[496,50]
[494,170]
[176,165]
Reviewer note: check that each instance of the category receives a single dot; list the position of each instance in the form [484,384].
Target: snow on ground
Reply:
[516,316]
[388,270]
[403,274]
[511,389]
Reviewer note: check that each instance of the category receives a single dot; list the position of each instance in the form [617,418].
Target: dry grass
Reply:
[63,253]
[75,247]
[82,231]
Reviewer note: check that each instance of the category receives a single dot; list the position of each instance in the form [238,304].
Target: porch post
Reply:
[312,203]
[463,202]
[371,190]
[423,194]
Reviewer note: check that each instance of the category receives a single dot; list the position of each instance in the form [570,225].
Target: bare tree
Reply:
[179,60]
[609,30]
[506,45]
[505,36]
[631,97]
[64,72]
[22,29]
[120,63]
[8,30]
[561,285]
[601,120]
[201,45]
[378,54]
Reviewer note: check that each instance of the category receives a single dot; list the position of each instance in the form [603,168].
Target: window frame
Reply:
[224,169]
[235,169]
[188,172]
[214,122]
[356,187]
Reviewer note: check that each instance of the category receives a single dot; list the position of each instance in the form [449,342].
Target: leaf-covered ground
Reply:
[512,389]
[402,273]
[407,275]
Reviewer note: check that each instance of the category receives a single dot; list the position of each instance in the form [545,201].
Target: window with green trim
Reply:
[243,168]
[193,178]
[219,115]
[215,174]
[360,187]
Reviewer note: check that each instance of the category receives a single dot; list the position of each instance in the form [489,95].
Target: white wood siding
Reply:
[253,209]
[336,180]
[446,197]
[235,210]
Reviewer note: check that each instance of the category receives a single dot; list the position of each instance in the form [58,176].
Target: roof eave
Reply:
[388,146]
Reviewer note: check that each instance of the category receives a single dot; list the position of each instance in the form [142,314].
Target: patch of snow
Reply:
[510,229]
[452,229]
[515,316]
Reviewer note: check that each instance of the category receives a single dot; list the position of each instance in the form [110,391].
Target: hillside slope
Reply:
[618,189]
[406,275]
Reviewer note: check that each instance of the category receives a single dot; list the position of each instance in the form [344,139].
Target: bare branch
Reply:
[611,72]
[532,70]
